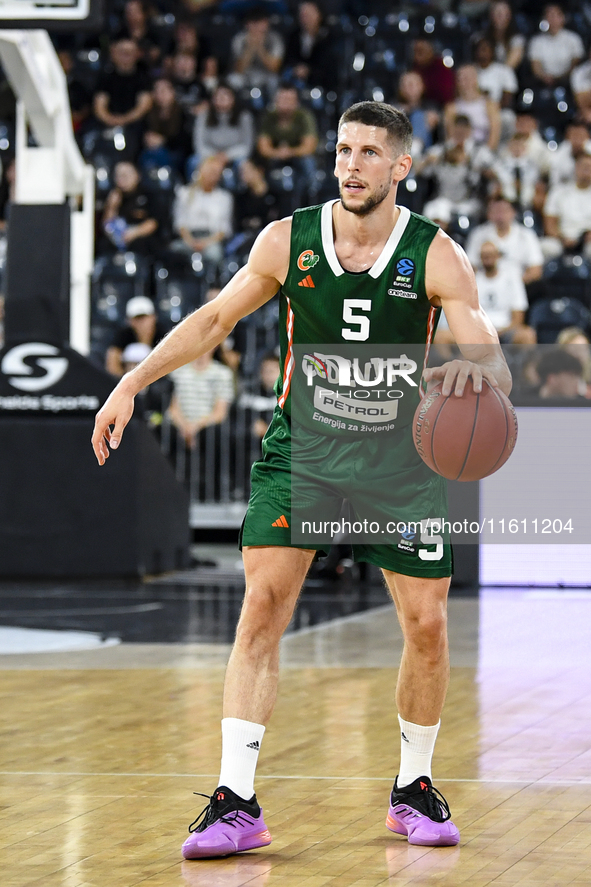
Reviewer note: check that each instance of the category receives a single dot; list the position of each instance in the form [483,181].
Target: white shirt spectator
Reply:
[203,212]
[517,177]
[519,246]
[198,391]
[457,183]
[572,207]
[562,165]
[556,52]
[538,151]
[497,79]
[517,40]
[479,157]
[580,79]
[502,294]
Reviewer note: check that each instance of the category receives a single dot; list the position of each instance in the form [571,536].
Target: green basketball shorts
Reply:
[320,472]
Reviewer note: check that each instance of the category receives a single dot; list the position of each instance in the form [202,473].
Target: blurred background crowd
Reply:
[206,120]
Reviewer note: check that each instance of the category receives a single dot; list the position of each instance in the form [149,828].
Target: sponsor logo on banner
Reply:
[42,378]
[22,375]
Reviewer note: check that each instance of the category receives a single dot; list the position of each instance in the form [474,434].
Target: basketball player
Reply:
[350,249]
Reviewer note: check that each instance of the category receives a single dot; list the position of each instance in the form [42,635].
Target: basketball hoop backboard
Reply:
[54,15]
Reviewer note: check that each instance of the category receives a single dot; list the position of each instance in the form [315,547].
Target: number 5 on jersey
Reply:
[357,320]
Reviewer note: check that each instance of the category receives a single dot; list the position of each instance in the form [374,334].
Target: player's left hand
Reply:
[454,375]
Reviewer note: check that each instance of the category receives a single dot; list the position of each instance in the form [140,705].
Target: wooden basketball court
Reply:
[101,750]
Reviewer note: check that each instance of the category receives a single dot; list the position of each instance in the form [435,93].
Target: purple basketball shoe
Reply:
[420,812]
[227,825]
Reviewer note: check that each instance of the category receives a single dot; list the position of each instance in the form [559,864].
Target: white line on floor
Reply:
[542,781]
[360,616]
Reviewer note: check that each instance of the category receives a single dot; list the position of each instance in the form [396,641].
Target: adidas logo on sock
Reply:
[254,745]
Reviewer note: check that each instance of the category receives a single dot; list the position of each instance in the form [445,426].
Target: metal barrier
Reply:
[217,469]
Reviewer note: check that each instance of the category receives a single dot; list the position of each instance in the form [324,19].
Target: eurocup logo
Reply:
[405,266]
[21,375]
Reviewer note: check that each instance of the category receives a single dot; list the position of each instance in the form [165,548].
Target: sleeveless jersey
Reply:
[353,345]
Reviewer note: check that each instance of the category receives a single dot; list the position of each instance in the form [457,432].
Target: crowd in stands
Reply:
[206,119]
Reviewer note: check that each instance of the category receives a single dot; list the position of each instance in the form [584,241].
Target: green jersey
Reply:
[353,345]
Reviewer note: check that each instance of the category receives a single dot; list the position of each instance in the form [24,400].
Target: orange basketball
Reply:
[467,437]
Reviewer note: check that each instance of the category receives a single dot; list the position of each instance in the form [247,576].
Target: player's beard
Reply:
[371,202]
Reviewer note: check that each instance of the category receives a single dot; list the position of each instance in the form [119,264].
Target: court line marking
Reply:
[81,611]
[541,781]
[340,620]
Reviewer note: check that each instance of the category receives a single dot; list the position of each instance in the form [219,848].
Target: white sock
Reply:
[416,750]
[241,743]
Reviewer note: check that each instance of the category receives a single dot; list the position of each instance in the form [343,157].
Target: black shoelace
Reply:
[436,806]
[211,814]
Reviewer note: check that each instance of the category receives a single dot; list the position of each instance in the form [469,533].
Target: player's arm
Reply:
[200,332]
[539,72]
[451,283]
[142,106]
[114,362]
[517,319]
[552,226]
[101,109]
[532,273]
[494,116]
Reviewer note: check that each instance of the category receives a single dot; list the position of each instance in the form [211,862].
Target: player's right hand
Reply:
[116,412]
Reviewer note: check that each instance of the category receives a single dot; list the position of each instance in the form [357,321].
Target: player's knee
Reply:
[426,630]
[265,616]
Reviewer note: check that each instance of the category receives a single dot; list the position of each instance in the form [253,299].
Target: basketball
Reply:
[468,437]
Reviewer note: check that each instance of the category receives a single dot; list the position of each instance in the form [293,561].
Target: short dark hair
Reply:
[558,360]
[500,198]
[256,14]
[395,122]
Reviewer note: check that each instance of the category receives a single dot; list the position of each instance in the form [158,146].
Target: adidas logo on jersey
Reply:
[280,522]
[307,281]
